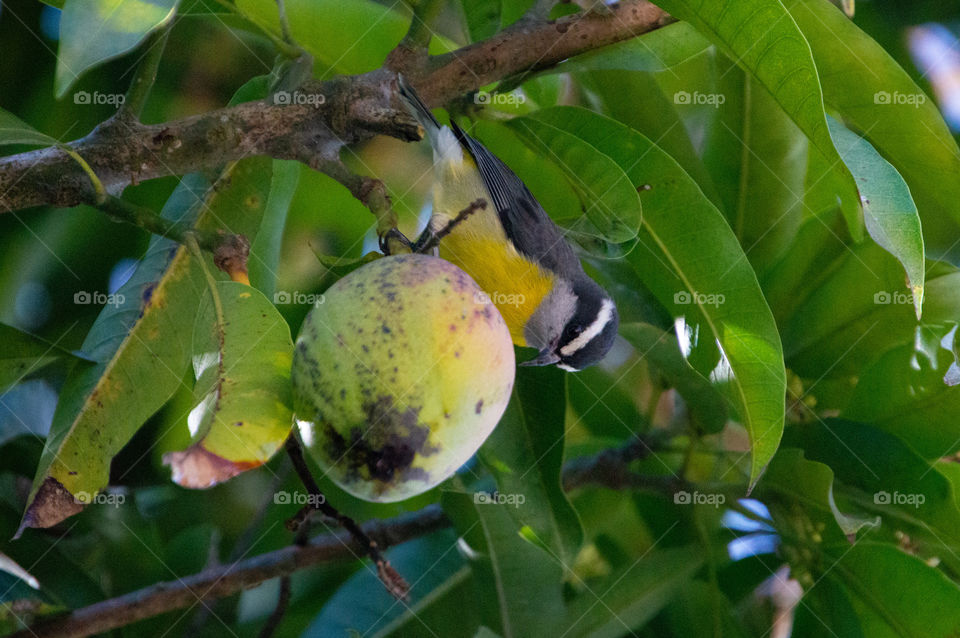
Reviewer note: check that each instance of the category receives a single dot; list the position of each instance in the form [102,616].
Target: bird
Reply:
[513,250]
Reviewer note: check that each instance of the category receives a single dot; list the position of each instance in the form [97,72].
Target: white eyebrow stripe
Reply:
[595,328]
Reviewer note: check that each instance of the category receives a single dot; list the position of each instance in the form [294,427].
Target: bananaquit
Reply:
[513,250]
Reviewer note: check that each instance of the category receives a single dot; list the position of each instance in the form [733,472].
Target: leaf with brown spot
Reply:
[242,353]
[140,347]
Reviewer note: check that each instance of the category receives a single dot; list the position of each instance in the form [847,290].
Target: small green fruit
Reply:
[399,376]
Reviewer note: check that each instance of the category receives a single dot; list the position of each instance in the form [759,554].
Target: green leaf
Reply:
[264,258]
[13,130]
[483,18]
[242,353]
[758,159]
[546,180]
[609,200]
[854,302]
[22,354]
[343,36]
[880,99]
[826,605]
[889,479]
[631,595]
[342,266]
[433,566]
[605,403]
[94,31]
[914,608]
[513,10]
[680,227]
[888,210]
[525,455]
[141,346]
[764,40]
[640,101]
[810,484]
[519,585]
[708,410]
[903,393]
[659,50]
[702,609]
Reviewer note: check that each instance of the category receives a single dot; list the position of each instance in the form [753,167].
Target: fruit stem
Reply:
[392,580]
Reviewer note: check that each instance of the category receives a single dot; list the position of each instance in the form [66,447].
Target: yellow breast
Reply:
[480,247]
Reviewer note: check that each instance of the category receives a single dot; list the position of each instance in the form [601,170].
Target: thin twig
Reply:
[392,580]
[229,251]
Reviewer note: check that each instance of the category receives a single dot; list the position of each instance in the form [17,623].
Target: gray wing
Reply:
[525,222]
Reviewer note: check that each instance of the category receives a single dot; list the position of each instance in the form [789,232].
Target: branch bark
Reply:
[354,108]
[609,468]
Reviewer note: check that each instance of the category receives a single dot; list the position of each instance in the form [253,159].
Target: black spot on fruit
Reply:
[385,446]
[479,408]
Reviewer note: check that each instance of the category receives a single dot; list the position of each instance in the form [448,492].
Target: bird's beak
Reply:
[546,357]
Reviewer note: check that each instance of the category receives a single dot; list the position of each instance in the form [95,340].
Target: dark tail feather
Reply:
[416,106]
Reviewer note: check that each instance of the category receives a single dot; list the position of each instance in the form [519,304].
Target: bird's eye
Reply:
[577,330]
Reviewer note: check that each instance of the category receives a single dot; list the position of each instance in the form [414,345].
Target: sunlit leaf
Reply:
[888,210]
[242,353]
[876,95]
[94,31]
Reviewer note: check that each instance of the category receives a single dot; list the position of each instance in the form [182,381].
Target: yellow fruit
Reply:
[399,375]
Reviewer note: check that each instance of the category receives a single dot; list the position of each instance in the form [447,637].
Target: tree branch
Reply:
[224,580]
[609,468]
[353,109]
